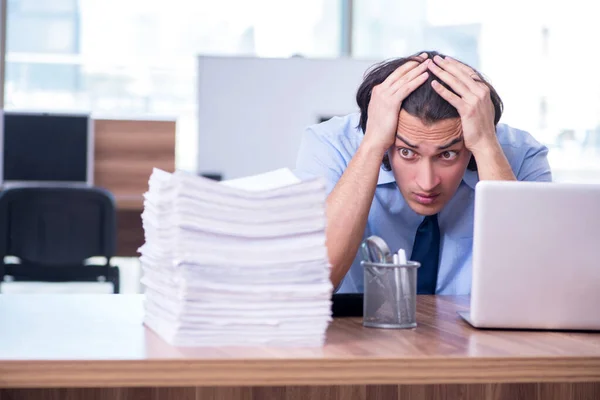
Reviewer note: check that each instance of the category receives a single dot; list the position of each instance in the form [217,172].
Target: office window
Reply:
[136,58]
[42,26]
[538,55]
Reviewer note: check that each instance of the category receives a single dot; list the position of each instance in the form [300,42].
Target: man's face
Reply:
[428,162]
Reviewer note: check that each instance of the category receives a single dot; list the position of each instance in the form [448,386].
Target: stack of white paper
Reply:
[240,262]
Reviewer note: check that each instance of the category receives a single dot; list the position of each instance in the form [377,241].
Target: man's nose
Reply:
[427,178]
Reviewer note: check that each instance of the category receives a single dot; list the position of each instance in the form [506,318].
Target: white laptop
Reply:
[536,256]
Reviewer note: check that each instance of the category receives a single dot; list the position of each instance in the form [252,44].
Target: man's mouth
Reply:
[425,198]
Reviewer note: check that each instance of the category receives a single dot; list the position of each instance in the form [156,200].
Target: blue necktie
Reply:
[426,250]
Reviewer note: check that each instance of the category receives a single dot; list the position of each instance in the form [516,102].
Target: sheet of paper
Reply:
[266,181]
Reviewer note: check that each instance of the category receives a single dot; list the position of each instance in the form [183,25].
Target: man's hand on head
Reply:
[473,103]
[476,110]
[386,101]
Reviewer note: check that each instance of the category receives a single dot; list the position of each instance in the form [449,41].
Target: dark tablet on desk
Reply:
[347,305]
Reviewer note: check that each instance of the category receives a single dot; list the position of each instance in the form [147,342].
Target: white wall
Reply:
[252,111]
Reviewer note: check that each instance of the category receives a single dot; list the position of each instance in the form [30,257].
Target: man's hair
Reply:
[424,102]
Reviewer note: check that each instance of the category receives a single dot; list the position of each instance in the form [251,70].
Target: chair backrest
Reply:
[57,225]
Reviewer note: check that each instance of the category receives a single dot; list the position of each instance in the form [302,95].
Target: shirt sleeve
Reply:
[319,156]
[535,165]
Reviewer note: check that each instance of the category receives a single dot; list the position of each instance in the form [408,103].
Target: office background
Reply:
[134,59]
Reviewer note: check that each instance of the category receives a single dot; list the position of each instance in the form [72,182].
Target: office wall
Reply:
[252,111]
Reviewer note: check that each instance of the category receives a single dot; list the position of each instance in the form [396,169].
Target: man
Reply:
[405,167]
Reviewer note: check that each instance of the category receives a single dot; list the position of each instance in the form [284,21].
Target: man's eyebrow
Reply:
[450,144]
[414,146]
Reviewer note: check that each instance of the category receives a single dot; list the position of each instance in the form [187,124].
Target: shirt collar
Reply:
[470,178]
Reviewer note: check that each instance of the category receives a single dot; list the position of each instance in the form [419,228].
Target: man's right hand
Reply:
[386,100]
[349,203]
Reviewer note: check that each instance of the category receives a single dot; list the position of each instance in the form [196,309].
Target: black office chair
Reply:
[54,231]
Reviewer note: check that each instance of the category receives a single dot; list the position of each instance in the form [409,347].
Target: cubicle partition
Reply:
[252,110]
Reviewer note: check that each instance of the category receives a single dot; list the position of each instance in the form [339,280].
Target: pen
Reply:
[402,280]
[401,256]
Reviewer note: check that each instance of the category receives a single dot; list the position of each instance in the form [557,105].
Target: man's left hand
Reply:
[473,103]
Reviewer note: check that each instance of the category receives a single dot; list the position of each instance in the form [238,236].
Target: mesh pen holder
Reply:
[390,294]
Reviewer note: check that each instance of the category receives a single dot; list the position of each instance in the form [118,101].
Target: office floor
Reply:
[129,268]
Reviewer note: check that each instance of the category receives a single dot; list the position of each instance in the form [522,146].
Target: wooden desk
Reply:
[77,346]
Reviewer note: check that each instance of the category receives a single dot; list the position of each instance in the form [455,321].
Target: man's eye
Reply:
[449,155]
[406,153]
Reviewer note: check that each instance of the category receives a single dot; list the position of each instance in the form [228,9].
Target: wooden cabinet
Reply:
[125,153]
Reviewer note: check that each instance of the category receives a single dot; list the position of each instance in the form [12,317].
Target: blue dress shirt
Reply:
[326,150]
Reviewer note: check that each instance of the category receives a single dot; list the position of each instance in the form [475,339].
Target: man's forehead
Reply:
[409,125]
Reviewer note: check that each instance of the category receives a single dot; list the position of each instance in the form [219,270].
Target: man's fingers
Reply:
[451,80]
[402,91]
[467,70]
[399,73]
[473,78]
[409,76]
[450,97]
[457,74]
[403,69]
[423,56]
